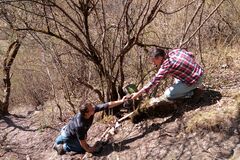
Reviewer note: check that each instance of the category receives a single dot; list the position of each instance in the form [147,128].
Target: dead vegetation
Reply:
[223,116]
[99,50]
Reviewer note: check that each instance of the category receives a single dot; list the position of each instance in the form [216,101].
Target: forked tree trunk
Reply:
[8,61]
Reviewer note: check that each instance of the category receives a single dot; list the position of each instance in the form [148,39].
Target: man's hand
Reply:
[86,147]
[125,98]
[118,102]
[135,95]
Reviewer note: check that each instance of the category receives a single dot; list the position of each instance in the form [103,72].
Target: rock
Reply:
[224,66]
[28,157]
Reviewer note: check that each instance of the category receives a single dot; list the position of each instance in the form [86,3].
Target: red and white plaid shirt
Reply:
[181,65]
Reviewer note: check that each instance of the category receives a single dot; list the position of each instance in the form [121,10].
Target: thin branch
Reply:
[68,16]
[92,88]
[74,8]
[191,36]
[141,12]
[55,22]
[44,16]
[140,44]
[191,22]
[144,76]
[177,10]
[54,35]
[53,4]
[124,13]
[199,36]
[150,17]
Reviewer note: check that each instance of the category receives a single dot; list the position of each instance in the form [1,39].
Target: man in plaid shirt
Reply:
[181,65]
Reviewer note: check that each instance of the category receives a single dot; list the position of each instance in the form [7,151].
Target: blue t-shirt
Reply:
[78,125]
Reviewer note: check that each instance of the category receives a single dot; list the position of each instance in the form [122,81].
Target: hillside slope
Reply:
[207,130]
[157,138]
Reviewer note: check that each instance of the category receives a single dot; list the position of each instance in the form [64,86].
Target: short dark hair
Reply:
[84,108]
[157,52]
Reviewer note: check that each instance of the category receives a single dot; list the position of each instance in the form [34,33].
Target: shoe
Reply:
[189,95]
[198,93]
[162,100]
[59,148]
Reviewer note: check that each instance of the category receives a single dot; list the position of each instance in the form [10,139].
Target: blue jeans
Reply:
[181,90]
[69,143]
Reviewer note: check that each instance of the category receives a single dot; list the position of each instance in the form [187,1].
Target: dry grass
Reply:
[226,112]
[221,116]
[106,119]
[220,62]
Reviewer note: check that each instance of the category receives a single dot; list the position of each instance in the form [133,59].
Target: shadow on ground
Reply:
[123,145]
[8,119]
[177,109]
[208,97]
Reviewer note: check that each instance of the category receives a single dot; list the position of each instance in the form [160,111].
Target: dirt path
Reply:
[21,137]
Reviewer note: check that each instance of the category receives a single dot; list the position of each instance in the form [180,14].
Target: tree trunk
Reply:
[8,61]
[111,95]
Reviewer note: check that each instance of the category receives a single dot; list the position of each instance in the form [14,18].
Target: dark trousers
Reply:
[69,143]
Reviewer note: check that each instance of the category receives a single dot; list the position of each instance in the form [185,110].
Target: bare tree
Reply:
[89,29]
[101,33]
[8,61]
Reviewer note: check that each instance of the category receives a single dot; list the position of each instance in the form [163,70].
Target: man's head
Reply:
[157,56]
[87,110]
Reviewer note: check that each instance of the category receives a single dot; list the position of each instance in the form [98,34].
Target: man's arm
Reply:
[118,102]
[101,107]
[155,80]
[86,147]
[137,94]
